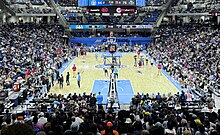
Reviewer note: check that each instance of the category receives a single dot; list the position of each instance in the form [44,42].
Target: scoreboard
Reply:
[111,2]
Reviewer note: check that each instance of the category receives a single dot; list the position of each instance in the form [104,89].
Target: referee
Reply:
[78,79]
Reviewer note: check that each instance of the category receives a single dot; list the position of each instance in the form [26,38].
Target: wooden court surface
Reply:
[143,80]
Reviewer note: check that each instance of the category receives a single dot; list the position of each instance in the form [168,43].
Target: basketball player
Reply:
[159,66]
[152,61]
[68,78]
[78,79]
[142,60]
[96,56]
[74,70]
[112,68]
[116,72]
[138,53]
[105,71]
[135,60]
[84,55]
[146,61]
[104,59]
[61,81]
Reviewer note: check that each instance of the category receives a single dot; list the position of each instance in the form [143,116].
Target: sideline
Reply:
[61,70]
[175,83]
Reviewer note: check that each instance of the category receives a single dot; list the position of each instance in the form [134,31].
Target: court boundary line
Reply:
[132,87]
[122,89]
[61,70]
[66,65]
[170,78]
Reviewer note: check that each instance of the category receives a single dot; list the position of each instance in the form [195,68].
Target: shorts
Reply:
[151,63]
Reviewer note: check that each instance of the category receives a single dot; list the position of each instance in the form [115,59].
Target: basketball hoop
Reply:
[111,40]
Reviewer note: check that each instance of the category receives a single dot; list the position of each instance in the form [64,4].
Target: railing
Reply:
[6,8]
[188,14]
[26,14]
[167,6]
[61,17]
[215,89]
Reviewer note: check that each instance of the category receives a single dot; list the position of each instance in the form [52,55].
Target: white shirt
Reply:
[168,131]
[42,120]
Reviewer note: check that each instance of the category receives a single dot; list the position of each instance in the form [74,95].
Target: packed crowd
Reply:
[30,7]
[67,2]
[73,15]
[34,52]
[33,10]
[34,2]
[190,54]
[205,6]
[155,2]
[84,115]
[200,1]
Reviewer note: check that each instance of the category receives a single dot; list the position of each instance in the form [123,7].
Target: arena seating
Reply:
[129,19]
[197,6]
[194,69]
[155,2]
[67,2]
[146,113]
[21,65]
[151,16]
[31,54]
[146,108]
[30,7]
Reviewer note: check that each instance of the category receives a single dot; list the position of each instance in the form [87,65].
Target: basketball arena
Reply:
[109,67]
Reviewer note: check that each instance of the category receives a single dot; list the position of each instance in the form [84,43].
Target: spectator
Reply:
[42,120]
[201,131]
[109,129]
[99,100]
[18,129]
[93,101]
[170,129]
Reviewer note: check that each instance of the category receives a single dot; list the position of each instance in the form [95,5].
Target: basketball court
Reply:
[130,80]
[124,89]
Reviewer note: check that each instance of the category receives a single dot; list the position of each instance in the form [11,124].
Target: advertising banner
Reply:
[73,27]
[111,10]
[119,40]
[86,27]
